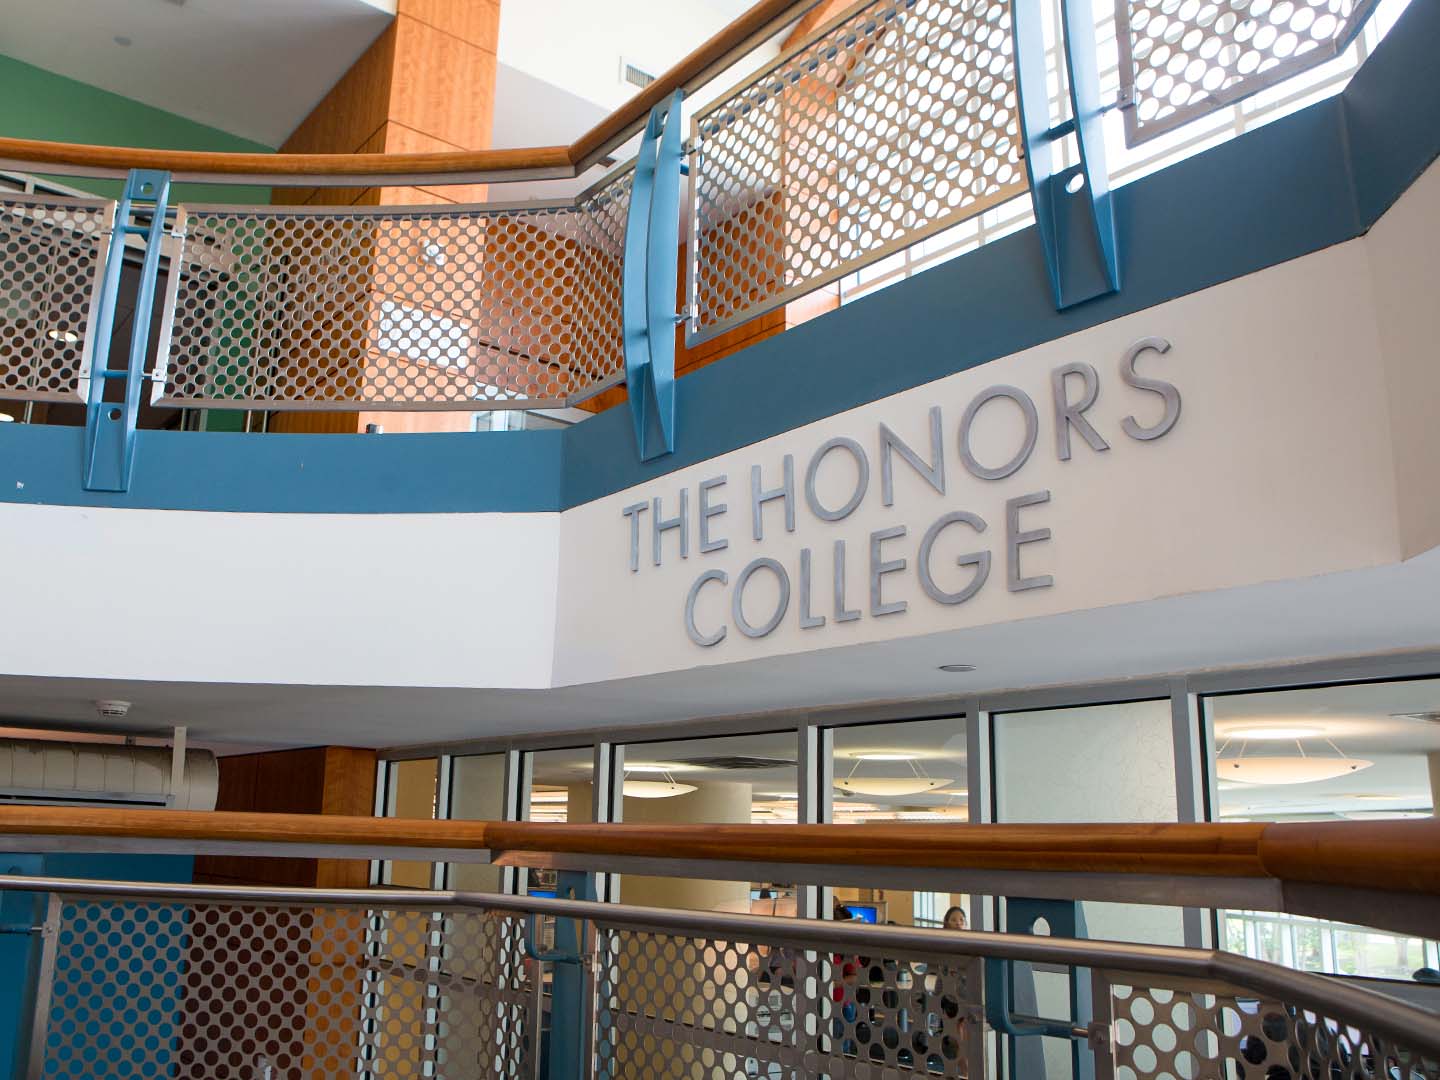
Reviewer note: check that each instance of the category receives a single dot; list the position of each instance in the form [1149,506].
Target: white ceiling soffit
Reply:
[253,68]
[1357,612]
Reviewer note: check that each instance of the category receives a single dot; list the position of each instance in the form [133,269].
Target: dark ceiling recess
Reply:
[736,763]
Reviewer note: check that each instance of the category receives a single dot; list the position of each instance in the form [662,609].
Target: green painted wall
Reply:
[38,104]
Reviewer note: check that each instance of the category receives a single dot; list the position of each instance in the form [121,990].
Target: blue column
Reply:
[110,426]
[652,250]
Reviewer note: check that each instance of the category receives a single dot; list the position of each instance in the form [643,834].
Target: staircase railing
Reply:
[196,980]
[891,121]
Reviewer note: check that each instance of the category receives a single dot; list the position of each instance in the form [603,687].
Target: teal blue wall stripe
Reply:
[1316,178]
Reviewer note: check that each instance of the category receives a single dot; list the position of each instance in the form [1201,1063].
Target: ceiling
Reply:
[253,68]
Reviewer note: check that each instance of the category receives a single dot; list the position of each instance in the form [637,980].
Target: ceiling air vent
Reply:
[1430,717]
[633,75]
[736,763]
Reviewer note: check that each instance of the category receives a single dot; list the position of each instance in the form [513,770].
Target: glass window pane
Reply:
[730,780]
[1361,751]
[912,771]
[561,790]
[1101,763]
[477,793]
[413,788]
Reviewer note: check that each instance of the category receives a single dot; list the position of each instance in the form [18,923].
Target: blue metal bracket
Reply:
[652,247]
[1010,986]
[563,1057]
[1074,212]
[110,425]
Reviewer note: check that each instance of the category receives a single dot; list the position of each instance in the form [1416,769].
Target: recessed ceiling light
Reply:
[69,337]
[121,39]
[1284,732]
[957,669]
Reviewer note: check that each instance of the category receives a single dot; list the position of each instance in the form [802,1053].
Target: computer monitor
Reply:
[866,913]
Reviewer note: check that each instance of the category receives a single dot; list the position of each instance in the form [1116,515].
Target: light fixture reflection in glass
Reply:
[667,788]
[1287,770]
[1272,732]
[915,784]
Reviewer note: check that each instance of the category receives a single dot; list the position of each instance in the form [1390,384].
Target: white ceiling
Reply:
[253,68]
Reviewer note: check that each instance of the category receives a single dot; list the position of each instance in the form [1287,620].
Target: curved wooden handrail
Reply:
[759,22]
[1396,856]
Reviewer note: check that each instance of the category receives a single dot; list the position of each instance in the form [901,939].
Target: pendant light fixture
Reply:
[918,783]
[667,788]
[1267,769]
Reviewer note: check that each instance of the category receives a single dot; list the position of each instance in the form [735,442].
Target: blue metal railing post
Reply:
[571,1028]
[649,279]
[1010,987]
[1074,214]
[110,425]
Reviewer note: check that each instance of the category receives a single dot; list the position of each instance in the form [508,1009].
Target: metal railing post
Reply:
[1073,208]
[110,426]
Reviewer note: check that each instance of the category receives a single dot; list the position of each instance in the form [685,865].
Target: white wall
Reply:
[1404,259]
[361,600]
[1279,467]
[577,46]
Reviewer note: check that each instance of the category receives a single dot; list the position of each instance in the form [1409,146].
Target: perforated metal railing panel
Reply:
[894,124]
[1179,1031]
[52,257]
[260,992]
[1182,59]
[422,308]
[681,1006]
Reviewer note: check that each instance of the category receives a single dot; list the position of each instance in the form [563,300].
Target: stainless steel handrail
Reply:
[1415,1027]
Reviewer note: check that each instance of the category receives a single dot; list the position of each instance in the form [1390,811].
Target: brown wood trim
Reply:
[1403,856]
[1209,850]
[157,824]
[366,166]
[764,18]
[1399,856]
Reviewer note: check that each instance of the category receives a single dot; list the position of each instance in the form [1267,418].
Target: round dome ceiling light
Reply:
[655,789]
[1287,770]
[890,785]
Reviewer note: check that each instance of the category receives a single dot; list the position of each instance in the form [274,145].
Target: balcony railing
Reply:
[188,980]
[895,120]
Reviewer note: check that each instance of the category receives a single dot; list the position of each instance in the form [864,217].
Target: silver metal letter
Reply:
[1068,415]
[978,559]
[759,497]
[1014,538]
[1027,447]
[633,512]
[709,510]
[737,598]
[879,568]
[660,526]
[1167,391]
[862,480]
[807,621]
[933,474]
[842,614]
[703,640]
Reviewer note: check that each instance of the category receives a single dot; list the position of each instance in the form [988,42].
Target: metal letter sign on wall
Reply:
[652,243]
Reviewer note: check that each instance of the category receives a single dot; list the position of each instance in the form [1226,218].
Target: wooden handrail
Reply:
[762,20]
[1396,856]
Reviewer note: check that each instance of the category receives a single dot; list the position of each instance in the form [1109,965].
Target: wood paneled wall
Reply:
[316,780]
[427,84]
